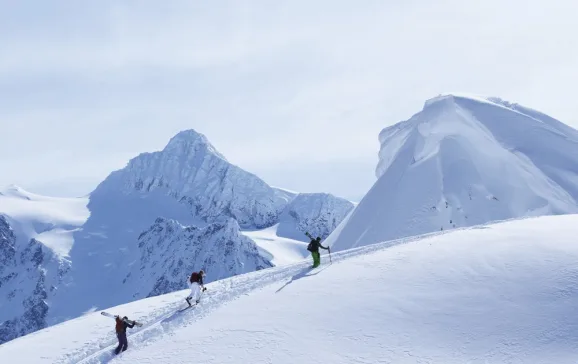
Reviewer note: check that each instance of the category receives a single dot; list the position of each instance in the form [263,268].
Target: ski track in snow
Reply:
[162,321]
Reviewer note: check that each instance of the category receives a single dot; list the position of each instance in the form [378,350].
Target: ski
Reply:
[108,314]
[138,324]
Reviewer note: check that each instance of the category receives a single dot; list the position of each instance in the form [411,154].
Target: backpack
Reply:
[311,246]
[119,325]
[195,277]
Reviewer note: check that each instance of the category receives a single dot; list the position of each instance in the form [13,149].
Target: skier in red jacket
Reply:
[121,325]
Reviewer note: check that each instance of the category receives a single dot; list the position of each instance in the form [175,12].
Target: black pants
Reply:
[122,342]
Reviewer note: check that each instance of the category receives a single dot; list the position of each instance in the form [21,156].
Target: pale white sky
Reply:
[293,91]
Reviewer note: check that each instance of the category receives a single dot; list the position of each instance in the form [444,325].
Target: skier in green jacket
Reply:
[313,247]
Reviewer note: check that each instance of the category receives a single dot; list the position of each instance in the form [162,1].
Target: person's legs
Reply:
[316,259]
[195,293]
[119,347]
[124,341]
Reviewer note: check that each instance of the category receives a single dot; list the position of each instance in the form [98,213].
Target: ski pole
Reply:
[329,255]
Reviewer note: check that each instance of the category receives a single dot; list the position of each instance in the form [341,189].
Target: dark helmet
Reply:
[202,273]
[318,238]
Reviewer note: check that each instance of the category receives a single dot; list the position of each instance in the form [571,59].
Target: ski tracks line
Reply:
[218,294]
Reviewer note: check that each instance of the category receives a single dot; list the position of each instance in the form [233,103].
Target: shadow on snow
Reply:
[302,274]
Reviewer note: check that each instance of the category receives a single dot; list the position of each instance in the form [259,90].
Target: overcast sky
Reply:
[293,91]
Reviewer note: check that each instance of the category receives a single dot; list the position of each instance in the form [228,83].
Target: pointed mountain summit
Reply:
[465,161]
[191,142]
[192,171]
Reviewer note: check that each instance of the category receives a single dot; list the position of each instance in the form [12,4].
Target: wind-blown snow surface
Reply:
[504,293]
[464,161]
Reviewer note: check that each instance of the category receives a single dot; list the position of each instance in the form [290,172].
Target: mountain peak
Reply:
[189,135]
[450,98]
[190,140]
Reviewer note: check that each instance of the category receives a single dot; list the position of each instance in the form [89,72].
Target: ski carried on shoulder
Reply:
[115,316]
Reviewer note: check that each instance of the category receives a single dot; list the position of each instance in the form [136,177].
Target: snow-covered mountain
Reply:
[503,293]
[464,161]
[191,183]
[147,226]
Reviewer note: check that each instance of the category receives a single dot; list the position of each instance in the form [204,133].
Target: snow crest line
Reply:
[218,293]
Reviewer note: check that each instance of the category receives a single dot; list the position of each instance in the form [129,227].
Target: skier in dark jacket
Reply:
[196,284]
[121,325]
[313,247]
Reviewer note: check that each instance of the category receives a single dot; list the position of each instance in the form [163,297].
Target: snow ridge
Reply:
[464,161]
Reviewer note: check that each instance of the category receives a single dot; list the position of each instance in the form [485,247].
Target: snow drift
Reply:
[464,161]
[503,293]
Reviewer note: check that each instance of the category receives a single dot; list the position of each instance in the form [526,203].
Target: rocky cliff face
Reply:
[29,276]
[170,252]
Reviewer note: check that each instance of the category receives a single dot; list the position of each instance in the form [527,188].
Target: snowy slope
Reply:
[502,293]
[464,161]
